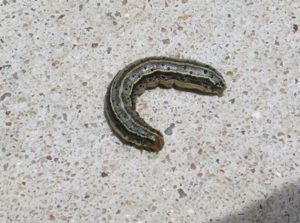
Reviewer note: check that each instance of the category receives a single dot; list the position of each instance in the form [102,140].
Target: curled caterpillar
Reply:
[135,78]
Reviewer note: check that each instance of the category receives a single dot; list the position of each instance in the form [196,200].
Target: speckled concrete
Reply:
[230,159]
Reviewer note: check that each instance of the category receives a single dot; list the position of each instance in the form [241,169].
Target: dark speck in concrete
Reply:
[7,94]
[104,174]
[169,130]
[295,28]
[5,66]
[181,193]
[166,41]
[108,50]
[61,16]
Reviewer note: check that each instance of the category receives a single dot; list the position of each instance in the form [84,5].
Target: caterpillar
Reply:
[147,73]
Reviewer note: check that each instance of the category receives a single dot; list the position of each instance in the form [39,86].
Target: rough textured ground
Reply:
[230,159]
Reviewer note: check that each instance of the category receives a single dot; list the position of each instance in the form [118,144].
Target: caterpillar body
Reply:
[151,72]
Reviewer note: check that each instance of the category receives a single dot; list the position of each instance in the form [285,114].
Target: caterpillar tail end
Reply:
[158,143]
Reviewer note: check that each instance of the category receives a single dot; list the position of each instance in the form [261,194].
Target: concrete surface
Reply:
[229,159]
